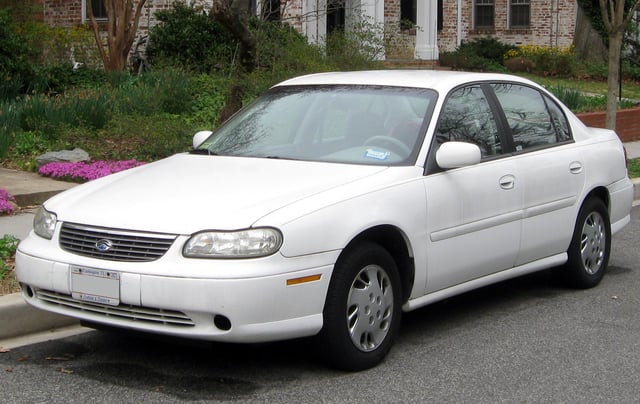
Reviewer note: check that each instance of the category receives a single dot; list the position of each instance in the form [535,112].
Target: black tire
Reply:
[590,246]
[363,308]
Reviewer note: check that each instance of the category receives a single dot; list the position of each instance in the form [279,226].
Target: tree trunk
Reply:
[122,26]
[613,80]
[615,21]
[587,42]
[224,12]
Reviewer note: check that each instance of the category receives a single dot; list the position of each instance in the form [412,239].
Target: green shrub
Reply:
[165,90]
[360,47]
[34,112]
[16,67]
[8,247]
[141,137]
[46,115]
[208,92]
[597,71]
[91,109]
[280,48]
[37,58]
[579,102]
[487,48]
[30,144]
[187,37]
[67,45]
[485,54]
[546,61]
[631,69]
[173,88]
[570,97]
[5,141]
[11,86]
[9,125]
[58,78]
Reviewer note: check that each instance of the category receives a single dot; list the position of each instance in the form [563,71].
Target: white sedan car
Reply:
[332,204]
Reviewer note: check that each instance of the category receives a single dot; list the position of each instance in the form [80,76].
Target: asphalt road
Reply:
[526,340]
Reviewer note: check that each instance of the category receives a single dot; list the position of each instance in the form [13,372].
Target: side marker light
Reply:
[304,279]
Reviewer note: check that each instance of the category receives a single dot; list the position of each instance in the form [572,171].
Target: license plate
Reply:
[95,285]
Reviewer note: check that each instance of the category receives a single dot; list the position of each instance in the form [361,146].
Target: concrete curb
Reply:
[18,318]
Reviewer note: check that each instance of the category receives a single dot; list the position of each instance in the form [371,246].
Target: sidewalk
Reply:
[30,188]
[633,150]
[17,319]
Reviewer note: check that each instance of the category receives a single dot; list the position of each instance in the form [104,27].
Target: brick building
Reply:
[428,26]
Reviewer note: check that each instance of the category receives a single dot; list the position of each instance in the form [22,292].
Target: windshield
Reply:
[345,124]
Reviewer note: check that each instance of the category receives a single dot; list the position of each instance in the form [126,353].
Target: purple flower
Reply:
[86,171]
[5,202]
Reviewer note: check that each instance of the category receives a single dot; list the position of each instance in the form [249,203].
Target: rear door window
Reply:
[535,120]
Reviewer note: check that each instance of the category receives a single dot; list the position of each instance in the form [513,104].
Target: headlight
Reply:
[248,243]
[44,223]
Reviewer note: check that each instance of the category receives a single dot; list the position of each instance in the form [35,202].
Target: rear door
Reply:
[550,167]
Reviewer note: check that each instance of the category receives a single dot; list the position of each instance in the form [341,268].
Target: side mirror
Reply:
[457,154]
[200,137]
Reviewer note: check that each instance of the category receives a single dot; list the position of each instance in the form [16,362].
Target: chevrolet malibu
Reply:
[332,204]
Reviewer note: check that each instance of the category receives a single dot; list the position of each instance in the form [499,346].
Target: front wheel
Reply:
[588,253]
[362,310]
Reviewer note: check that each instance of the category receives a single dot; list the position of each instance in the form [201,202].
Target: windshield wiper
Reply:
[280,158]
[203,151]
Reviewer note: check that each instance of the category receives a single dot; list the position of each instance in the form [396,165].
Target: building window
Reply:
[484,13]
[408,14]
[271,10]
[520,13]
[336,16]
[408,18]
[97,6]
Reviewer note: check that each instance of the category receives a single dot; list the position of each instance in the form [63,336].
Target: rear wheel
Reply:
[362,310]
[590,246]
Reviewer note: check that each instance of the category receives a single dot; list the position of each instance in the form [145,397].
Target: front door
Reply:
[474,213]
[335,15]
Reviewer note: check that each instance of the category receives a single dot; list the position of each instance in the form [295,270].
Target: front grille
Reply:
[118,245]
[122,312]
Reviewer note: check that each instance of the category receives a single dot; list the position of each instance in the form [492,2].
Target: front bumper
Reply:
[234,308]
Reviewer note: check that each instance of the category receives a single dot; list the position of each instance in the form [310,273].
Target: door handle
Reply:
[508,182]
[575,167]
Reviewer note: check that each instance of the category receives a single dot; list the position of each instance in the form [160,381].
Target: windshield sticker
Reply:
[377,154]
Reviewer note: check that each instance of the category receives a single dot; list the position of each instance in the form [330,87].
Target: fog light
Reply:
[222,322]
[27,291]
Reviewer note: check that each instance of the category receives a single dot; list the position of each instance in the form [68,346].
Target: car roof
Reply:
[440,80]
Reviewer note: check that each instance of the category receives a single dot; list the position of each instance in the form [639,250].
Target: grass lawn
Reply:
[630,89]
[634,168]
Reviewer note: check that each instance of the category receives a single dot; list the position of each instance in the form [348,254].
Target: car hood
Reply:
[186,193]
